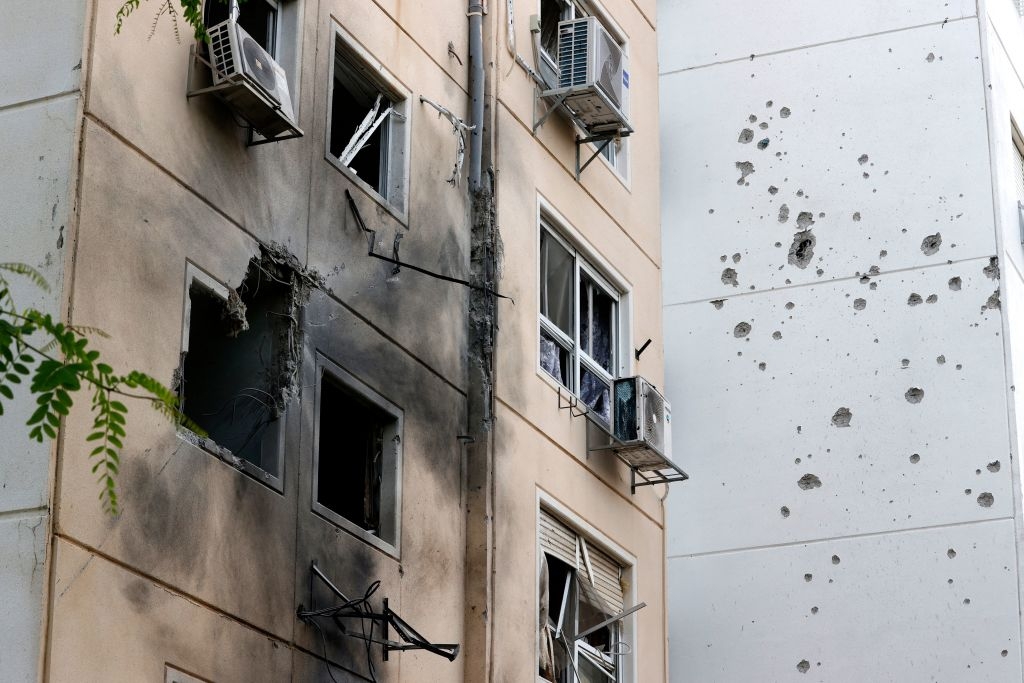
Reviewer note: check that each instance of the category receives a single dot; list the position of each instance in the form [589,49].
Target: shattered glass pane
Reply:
[597,322]
[556,283]
[590,671]
[596,394]
[554,359]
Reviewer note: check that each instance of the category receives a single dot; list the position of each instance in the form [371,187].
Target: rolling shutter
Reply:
[557,539]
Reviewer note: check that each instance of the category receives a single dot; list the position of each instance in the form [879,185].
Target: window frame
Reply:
[395,198]
[196,275]
[391,492]
[584,260]
[628,628]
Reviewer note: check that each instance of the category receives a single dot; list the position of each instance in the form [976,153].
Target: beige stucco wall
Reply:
[205,567]
[541,451]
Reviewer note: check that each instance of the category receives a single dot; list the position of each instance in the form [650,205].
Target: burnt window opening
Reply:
[258,18]
[579,322]
[581,599]
[366,128]
[358,458]
[237,368]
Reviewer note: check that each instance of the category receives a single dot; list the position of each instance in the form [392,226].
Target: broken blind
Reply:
[592,564]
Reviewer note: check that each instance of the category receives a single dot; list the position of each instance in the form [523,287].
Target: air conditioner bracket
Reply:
[191,91]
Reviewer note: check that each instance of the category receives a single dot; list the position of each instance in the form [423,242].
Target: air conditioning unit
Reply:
[593,68]
[642,426]
[260,86]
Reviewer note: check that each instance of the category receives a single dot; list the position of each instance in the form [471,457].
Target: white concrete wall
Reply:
[802,549]
[40,67]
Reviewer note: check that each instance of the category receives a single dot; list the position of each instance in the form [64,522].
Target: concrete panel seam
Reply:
[24,513]
[746,58]
[25,104]
[820,283]
[837,539]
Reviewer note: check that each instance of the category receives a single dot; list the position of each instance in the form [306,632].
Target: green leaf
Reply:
[6,391]
[38,416]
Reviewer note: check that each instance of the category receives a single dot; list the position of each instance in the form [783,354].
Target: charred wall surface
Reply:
[209,559]
[838,363]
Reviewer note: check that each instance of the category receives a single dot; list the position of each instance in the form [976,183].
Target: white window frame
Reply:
[586,261]
[627,562]
[394,198]
[194,274]
[391,485]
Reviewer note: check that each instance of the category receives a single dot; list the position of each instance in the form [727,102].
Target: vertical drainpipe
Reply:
[479,454]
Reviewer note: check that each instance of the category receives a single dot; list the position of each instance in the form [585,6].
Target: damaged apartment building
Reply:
[841,199]
[401,265]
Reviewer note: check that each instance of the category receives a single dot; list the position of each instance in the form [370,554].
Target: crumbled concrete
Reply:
[784,213]
[808,482]
[992,302]
[746,136]
[914,395]
[773,190]
[992,269]
[951,553]
[835,559]
[862,159]
[804,220]
[986,499]
[993,466]
[842,417]
[930,244]
[718,303]
[729,277]
[914,299]
[784,510]
[776,335]
[915,458]
[763,144]
[745,168]
[955,284]
[859,304]
[803,666]
[802,250]
[856,216]
[932,298]
[741,330]
[784,112]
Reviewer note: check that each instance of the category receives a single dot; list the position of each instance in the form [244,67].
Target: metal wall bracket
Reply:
[359,608]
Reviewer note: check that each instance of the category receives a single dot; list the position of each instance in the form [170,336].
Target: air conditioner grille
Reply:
[625,411]
[609,61]
[259,65]
[654,418]
[220,49]
[572,53]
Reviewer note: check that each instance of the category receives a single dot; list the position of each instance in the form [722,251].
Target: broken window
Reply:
[258,18]
[581,605]
[357,457]
[367,124]
[579,321]
[238,365]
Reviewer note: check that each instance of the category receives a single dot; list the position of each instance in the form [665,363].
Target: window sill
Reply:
[402,216]
[360,533]
[210,447]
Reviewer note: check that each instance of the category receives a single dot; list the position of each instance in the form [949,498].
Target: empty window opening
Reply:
[578,325]
[367,126]
[258,18]
[239,365]
[357,457]
[581,598]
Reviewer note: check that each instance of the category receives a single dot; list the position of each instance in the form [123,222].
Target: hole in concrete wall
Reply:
[729,277]
[915,458]
[802,250]
[239,365]
[784,510]
[993,466]
[746,135]
[951,553]
[835,559]
[955,283]
[803,666]
[932,298]
[784,112]
[859,304]
[931,244]
[842,417]
[808,482]
[741,330]
[914,395]
[991,271]
[745,168]
[914,299]
[986,499]
[784,213]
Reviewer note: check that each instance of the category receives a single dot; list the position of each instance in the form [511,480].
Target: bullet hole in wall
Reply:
[842,417]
